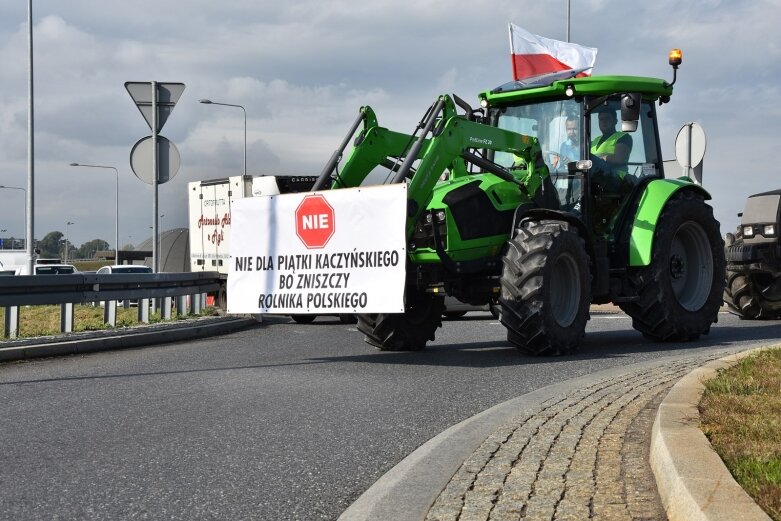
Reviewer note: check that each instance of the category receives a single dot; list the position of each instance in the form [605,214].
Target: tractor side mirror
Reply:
[630,111]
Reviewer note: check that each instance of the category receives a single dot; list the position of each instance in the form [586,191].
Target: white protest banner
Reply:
[336,251]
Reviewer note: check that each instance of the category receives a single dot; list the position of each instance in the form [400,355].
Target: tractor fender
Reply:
[531,212]
[652,203]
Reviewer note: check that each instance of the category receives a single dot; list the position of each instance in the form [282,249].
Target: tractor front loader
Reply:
[498,214]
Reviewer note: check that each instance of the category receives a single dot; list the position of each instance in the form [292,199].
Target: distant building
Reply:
[174,251]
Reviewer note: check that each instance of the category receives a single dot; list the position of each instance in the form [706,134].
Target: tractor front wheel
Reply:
[408,331]
[680,291]
[546,288]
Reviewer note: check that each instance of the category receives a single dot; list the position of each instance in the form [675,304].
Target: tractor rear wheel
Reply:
[408,331]
[680,291]
[546,289]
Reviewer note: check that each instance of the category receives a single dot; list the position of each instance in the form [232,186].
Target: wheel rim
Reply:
[691,266]
[565,290]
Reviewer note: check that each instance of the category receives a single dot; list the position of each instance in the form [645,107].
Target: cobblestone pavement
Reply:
[578,456]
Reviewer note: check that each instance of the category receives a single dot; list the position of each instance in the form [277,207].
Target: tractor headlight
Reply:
[439,216]
[769,230]
[748,231]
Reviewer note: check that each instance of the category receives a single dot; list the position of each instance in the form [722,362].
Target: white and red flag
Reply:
[533,55]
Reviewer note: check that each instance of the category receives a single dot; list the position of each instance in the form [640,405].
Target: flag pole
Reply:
[568,12]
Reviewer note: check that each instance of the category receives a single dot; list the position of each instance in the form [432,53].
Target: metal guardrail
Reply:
[84,288]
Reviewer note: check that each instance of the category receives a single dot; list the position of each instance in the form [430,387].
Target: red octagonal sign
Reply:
[315,221]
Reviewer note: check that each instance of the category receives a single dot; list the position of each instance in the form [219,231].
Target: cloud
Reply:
[302,70]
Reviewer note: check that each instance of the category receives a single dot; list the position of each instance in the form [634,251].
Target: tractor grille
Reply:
[741,253]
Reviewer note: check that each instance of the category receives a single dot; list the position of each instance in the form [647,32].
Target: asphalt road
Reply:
[283,421]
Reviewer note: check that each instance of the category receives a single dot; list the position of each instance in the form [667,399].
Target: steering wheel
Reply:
[557,164]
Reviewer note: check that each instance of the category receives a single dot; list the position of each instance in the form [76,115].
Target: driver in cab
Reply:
[611,150]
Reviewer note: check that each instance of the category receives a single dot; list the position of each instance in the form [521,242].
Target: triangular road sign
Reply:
[167,96]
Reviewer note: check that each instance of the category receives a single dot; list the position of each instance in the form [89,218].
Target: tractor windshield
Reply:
[556,124]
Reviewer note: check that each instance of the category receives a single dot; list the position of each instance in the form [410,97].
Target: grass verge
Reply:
[740,413]
[45,320]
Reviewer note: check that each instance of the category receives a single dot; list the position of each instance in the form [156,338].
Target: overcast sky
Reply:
[303,68]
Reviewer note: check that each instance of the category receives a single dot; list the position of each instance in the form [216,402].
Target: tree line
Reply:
[52,246]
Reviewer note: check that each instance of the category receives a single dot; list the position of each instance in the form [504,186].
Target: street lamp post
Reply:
[67,224]
[116,200]
[30,193]
[25,203]
[210,102]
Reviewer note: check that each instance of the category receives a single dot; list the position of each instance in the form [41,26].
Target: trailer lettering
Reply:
[222,222]
[208,221]
[216,237]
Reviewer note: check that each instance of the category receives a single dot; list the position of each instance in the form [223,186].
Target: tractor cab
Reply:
[598,152]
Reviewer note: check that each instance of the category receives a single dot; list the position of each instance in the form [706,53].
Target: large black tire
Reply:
[746,295]
[751,296]
[408,331]
[680,291]
[739,296]
[303,319]
[546,289]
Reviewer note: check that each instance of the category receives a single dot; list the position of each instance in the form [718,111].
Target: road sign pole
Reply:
[155,179]
[155,106]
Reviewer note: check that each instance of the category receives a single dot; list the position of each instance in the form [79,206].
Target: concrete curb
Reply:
[693,482]
[125,338]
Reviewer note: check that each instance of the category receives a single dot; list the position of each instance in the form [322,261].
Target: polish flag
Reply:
[533,55]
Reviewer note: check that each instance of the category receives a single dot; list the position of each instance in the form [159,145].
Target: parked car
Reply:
[55,269]
[123,269]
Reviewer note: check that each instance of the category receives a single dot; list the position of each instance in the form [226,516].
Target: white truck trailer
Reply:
[210,217]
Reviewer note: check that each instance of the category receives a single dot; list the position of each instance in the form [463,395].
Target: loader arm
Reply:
[445,143]
[373,146]
[450,148]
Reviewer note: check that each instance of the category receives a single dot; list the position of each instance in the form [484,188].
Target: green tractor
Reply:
[500,212]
